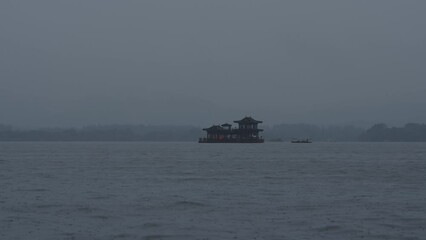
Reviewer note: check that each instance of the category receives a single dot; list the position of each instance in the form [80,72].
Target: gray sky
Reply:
[73,63]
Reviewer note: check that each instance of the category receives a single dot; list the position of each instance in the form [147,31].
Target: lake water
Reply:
[212,191]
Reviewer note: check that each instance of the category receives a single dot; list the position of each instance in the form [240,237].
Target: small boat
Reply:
[307,140]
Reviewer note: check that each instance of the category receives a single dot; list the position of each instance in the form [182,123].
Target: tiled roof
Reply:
[247,120]
[213,128]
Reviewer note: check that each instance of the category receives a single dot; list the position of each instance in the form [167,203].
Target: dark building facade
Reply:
[247,132]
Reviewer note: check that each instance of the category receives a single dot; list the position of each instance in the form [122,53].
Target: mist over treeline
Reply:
[411,132]
[280,132]
[102,133]
[287,132]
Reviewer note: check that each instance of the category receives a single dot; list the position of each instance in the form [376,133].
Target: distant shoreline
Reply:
[411,132]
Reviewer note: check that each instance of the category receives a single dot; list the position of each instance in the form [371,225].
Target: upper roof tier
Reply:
[247,120]
[214,128]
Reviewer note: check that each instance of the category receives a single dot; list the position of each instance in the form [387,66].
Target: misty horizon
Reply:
[72,64]
[357,124]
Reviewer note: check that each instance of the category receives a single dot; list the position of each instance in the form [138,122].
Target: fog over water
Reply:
[73,63]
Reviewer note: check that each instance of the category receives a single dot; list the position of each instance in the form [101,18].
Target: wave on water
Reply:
[188,191]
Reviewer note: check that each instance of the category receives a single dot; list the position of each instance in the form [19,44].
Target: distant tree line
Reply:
[282,132]
[103,133]
[287,132]
[411,132]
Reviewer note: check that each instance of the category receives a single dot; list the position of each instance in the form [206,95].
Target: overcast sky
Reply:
[73,63]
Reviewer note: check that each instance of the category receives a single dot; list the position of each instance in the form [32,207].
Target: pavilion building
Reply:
[247,132]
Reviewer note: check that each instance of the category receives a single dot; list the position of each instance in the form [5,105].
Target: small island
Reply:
[247,132]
